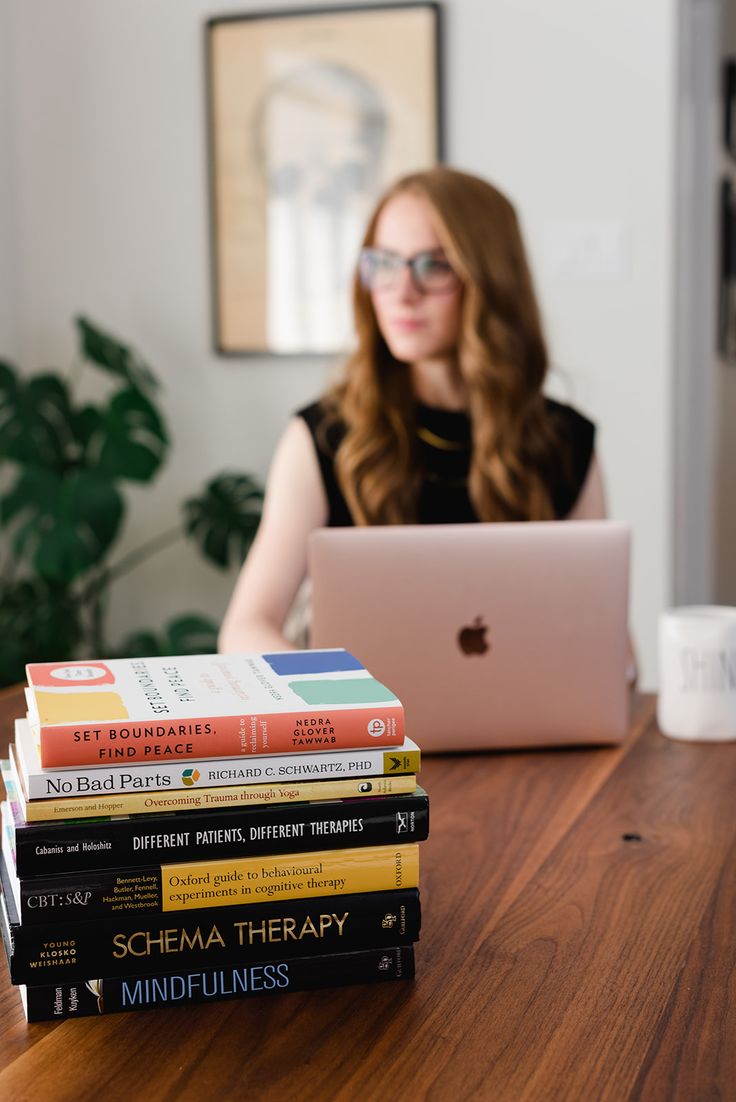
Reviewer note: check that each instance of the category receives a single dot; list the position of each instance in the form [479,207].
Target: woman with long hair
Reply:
[440,416]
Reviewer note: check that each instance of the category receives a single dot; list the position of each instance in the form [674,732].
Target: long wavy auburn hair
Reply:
[501,356]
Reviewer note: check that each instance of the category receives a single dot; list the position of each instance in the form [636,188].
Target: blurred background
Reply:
[604,122]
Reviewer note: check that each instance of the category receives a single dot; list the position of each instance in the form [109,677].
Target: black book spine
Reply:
[62,847]
[146,992]
[219,937]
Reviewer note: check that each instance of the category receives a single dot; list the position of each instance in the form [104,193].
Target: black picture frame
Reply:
[729,105]
[310,115]
[727,273]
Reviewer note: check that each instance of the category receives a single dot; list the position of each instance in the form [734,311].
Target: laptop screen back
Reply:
[492,635]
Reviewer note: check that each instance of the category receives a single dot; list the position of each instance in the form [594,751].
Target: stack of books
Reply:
[198,828]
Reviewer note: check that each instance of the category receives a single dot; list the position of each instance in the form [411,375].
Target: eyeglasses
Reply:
[431,274]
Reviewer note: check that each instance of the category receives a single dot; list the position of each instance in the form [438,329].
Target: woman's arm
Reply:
[591,505]
[295,504]
[591,502]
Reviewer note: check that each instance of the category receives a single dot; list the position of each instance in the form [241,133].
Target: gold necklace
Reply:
[436,441]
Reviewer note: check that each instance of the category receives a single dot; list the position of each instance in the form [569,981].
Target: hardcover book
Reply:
[193,885]
[206,706]
[128,842]
[187,776]
[111,995]
[214,937]
[206,799]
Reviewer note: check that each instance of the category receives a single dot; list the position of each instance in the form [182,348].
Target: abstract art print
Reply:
[311,114]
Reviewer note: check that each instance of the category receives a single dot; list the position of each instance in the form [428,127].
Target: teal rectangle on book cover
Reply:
[343,690]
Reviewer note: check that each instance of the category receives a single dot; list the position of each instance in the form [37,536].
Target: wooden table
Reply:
[578,944]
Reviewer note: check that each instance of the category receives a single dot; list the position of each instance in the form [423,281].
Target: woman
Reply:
[440,416]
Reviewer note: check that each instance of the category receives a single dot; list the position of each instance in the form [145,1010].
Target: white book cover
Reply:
[89,713]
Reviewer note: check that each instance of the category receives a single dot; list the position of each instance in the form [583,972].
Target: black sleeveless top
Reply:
[444,447]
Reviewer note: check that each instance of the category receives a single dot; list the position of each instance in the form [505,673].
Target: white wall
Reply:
[569,106]
[8,239]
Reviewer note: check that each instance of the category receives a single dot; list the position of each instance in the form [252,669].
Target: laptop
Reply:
[493,636]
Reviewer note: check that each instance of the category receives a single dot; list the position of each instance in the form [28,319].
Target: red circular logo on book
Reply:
[58,674]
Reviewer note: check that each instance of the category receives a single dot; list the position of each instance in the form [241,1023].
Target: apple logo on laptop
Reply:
[472,638]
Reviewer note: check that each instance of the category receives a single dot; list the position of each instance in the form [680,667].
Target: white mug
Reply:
[697,673]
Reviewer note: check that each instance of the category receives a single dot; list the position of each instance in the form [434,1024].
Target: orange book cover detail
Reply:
[161,709]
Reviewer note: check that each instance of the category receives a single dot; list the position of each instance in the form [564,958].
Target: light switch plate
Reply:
[586,249]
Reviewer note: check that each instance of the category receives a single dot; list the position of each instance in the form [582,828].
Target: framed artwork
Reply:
[727,274]
[729,105]
[311,114]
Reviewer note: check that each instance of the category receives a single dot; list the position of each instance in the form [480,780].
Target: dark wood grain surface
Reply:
[577,943]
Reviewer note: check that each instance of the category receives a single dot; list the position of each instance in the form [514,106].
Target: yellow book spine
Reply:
[147,803]
[400,762]
[288,876]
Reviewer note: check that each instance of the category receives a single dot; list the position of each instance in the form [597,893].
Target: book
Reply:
[165,776]
[206,799]
[67,846]
[210,938]
[159,989]
[207,706]
[194,885]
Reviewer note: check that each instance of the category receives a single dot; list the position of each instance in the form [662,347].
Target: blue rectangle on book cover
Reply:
[289,663]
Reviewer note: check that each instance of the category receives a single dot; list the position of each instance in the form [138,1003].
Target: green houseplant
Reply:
[63,464]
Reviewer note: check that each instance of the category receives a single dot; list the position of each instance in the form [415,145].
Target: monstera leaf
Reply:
[127,439]
[114,357]
[36,420]
[190,634]
[62,462]
[38,622]
[224,520]
[66,523]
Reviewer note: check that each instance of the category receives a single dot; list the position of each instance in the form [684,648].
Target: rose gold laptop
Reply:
[492,635]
